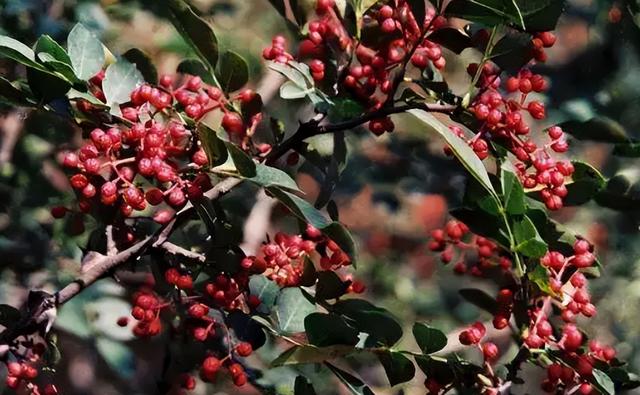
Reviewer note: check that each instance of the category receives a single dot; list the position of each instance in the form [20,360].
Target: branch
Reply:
[313,128]
[175,249]
[96,265]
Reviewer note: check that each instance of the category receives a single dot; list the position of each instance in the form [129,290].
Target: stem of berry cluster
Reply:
[313,128]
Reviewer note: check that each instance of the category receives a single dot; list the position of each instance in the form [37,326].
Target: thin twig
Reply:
[310,129]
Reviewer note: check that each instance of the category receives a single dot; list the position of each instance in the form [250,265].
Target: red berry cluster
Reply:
[571,298]
[22,374]
[150,156]
[369,77]
[226,290]
[197,322]
[473,335]
[282,260]
[211,365]
[541,41]
[573,375]
[501,117]
[476,256]
[146,310]
[504,302]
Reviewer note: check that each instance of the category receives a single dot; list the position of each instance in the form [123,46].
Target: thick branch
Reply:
[96,265]
[175,249]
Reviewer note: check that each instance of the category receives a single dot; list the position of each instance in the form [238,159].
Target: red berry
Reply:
[244,349]
[512,84]
[388,25]
[490,351]
[323,6]
[198,310]
[12,382]
[232,123]
[211,365]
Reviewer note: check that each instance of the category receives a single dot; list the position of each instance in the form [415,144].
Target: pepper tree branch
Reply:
[95,265]
[313,128]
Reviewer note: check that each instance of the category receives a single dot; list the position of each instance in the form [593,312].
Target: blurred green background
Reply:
[394,190]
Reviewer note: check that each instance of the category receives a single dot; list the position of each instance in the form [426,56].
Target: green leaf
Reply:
[207,212]
[243,162]
[76,95]
[529,15]
[120,79]
[329,329]
[299,11]
[513,193]
[378,323]
[265,290]
[603,382]
[143,64]
[630,150]
[601,129]
[512,51]
[46,86]
[14,49]
[212,145]
[587,182]
[488,13]
[482,223]
[196,67]
[13,96]
[557,236]
[429,339]
[305,211]
[479,298]
[301,208]
[344,109]
[222,153]
[620,193]
[528,240]
[85,51]
[298,73]
[195,31]
[304,354]
[540,277]
[399,368]
[290,91]
[343,238]
[437,368]
[303,387]
[330,286]
[462,151]
[418,8]
[233,71]
[353,384]
[451,38]
[48,45]
[267,176]
[62,69]
[9,315]
[291,309]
